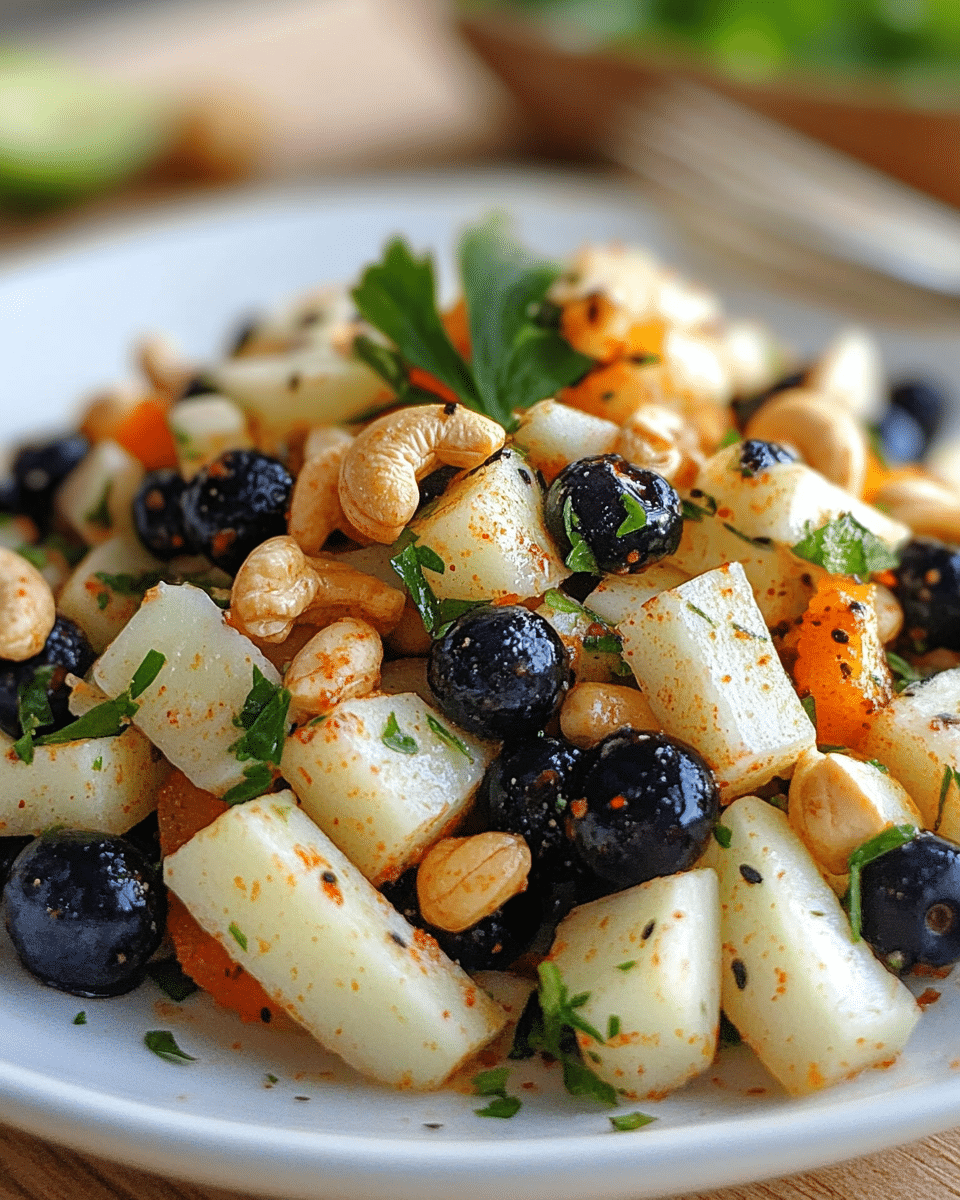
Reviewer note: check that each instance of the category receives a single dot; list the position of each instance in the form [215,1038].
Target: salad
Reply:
[573,641]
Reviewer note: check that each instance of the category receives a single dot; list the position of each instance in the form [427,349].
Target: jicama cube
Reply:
[107,783]
[917,738]
[206,428]
[592,647]
[293,911]
[814,1005]
[617,597]
[96,496]
[384,777]
[553,435]
[650,959]
[102,594]
[488,529]
[189,711]
[702,657]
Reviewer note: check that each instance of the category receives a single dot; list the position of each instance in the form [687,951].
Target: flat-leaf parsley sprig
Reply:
[516,358]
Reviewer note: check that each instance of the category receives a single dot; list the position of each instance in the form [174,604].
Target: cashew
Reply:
[278,586]
[889,614]
[322,438]
[462,880]
[315,510]
[338,663]
[837,803]
[27,609]
[658,438]
[592,710]
[379,473]
[164,366]
[930,508]
[850,374]
[824,433]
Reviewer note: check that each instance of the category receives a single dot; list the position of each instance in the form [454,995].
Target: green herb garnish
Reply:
[146,673]
[905,672]
[33,710]
[494,1083]
[238,935]
[635,519]
[581,557]
[163,1044]
[696,512]
[257,778]
[701,613]
[627,1122]
[845,547]
[125,583]
[809,706]
[950,775]
[889,839]
[446,735]
[613,1026]
[723,835]
[728,439]
[99,515]
[171,979]
[561,602]
[393,738]
[80,1018]
[264,718]
[745,537]
[97,763]
[760,637]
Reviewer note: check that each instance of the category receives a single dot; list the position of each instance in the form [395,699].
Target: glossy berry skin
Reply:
[902,438]
[757,457]
[234,504]
[928,588]
[627,516]
[68,650]
[526,790]
[158,516]
[924,402]
[85,912]
[38,470]
[499,672]
[910,903]
[645,807]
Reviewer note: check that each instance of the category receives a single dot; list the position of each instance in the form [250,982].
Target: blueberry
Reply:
[645,806]
[923,401]
[197,385]
[757,457]
[69,652]
[158,516]
[910,903]
[928,588]
[39,469]
[625,516]
[499,672]
[85,912]
[234,504]
[901,435]
[10,847]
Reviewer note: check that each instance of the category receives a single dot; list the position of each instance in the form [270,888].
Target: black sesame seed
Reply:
[399,940]
[739,973]
[840,635]
[266,1015]
[647,930]
[750,874]
[329,877]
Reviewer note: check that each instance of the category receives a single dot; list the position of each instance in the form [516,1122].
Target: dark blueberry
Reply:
[243,335]
[646,806]
[9,496]
[744,407]
[910,903]
[526,790]
[85,911]
[10,847]
[607,514]
[902,438]
[38,470]
[923,401]
[928,588]
[197,385]
[757,457]
[158,515]
[499,672]
[433,486]
[234,504]
[68,651]
[145,835]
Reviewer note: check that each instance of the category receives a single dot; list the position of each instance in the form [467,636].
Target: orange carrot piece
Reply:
[144,432]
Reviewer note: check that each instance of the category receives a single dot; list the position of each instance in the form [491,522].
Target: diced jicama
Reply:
[703,658]
[650,959]
[206,428]
[190,710]
[814,1005]
[553,435]
[95,497]
[617,597]
[384,777]
[295,913]
[107,783]
[100,595]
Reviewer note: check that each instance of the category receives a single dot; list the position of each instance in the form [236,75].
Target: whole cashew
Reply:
[27,608]
[379,472]
[659,438]
[825,434]
[338,663]
[315,510]
[929,507]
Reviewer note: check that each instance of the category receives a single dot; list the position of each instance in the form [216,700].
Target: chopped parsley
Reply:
[628,965]
[264,719]
[613,1026]
[33,710]
[494,1083]
[845,547]
[729,438]
[760,637]
[745,537]
[809,705]
[36,556]
[696,512]
[889,839]
[146,673]
[581,557]
[446,735]
[723,835]
[950,775]
[561,602]
[701,613]
[604,643]
[80,1018]
[257,778]
[635,519]
[97,763]
[393,738]
[127,584]
[238,935]
[99,515]
[905,672]
[627,1122]
[164,1045]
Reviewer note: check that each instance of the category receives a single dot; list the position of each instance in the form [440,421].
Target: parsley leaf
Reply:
[264,717]
[448,736]
[494,1083]
[845,547]
[256,779]
[950,775]
[437,615]
[33,710]
[171,979]
[163,1044]
[626,1122]
[696,512]
[723,835]
[729,438]
[81,1017]
[889,839]
[809,705]
[146,673]
[238,935]
[581,557]
[635,519]
[394,739]
[99,515]
[906,672]
[389,366]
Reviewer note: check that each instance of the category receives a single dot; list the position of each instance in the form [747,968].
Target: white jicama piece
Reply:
[384,777]
[650,959]
[703,659]
[917,738]
[189,711]
[814,1005]
[206,428]
[90,598]
[617,597]
[95,497]
[328,948]
[553,435]
[106,783]
[489,531]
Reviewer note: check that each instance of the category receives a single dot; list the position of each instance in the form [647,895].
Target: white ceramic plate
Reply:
[66,324]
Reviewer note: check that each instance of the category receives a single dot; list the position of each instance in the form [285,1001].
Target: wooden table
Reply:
[442,108]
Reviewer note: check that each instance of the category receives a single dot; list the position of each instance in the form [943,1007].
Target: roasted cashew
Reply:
[461,880]
[930,508]
[278,587]
[315,510]
[379,473]
[592,710]
[338,663]
[27,608]
[659,438]
[824,433]
[163,365]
